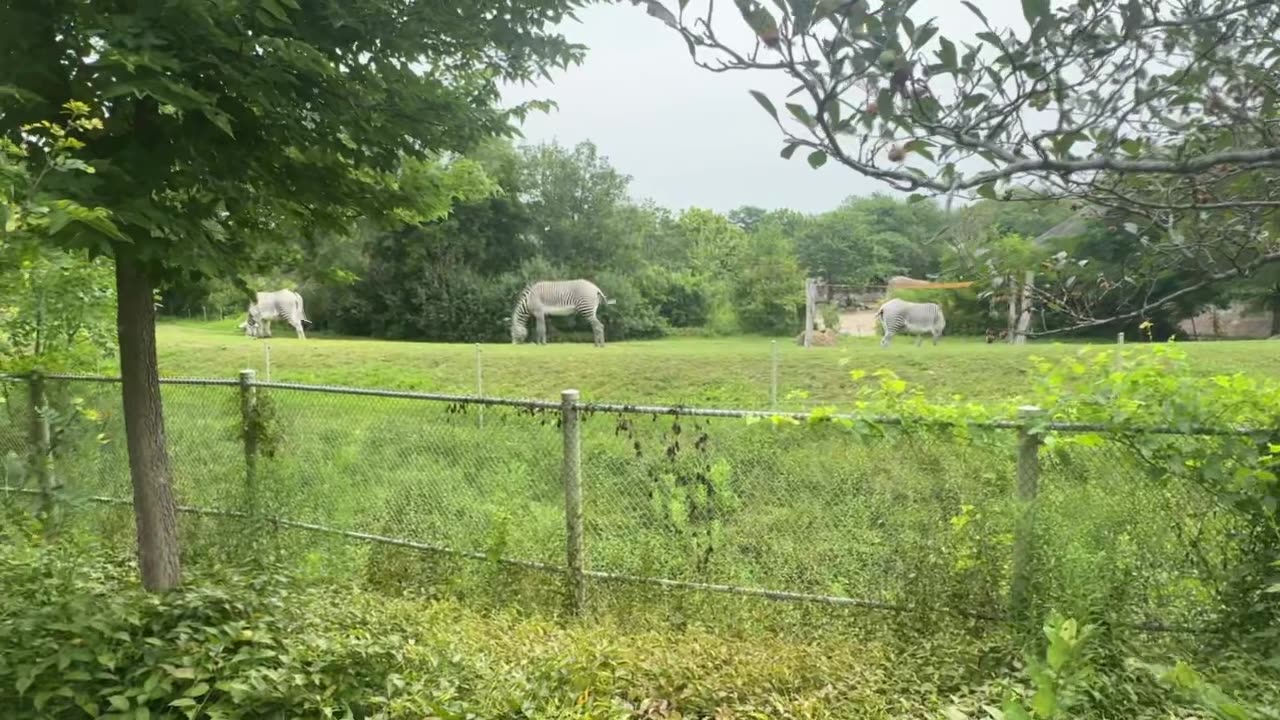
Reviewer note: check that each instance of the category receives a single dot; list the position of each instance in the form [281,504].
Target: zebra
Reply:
[557,298]
[279,305]
[899,315]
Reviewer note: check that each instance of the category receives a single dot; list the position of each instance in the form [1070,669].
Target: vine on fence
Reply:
[691,492]
[1132,396]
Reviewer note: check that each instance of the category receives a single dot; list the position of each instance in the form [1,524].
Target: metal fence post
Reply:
[1029,442]
[773,377]
[249,432]
[42,447]
[266,348]
[571,474]
[480,383]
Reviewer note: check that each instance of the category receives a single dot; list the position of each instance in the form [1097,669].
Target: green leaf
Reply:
[987,190]
[758,18]
[990,38]
[924,35]
[920,147]
[119,702]
[802,14]
[800,113]
[765,103]
[1034,11]
[656,9]
[974,9]
[273,7]
[973,100]
[197,690]
[817,159]
[1045,701]
[947,54]
[789,150]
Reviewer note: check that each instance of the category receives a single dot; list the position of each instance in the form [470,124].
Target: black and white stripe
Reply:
[899,316]
[557,298]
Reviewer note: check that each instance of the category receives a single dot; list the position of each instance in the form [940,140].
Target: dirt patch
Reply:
[859,323]
[821,338]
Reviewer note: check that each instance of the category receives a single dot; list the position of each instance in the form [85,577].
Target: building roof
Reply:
[1075,225]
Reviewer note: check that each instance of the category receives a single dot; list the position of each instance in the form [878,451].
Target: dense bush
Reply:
[248,640]
[683,300]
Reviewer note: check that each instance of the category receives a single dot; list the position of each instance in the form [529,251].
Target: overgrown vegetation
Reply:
[246,638]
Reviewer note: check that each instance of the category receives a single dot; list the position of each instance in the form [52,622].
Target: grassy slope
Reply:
[718,372]
[824,515]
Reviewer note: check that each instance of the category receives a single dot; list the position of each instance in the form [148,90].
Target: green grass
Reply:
[919,519]
[693,371]
[806,510]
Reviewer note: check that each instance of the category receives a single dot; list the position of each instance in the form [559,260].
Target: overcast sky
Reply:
[690,137]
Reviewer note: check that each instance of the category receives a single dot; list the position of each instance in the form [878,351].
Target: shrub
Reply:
[247,639]
[683,300]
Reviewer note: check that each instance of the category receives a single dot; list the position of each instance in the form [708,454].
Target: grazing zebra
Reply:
[915,318]
[283,305]
[557,298]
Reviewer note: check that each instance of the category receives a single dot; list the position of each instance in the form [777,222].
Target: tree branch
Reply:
[1149,305]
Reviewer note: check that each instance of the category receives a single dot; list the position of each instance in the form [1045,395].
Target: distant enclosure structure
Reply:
[858,303]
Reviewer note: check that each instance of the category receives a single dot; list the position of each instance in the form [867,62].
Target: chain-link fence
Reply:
[846,511]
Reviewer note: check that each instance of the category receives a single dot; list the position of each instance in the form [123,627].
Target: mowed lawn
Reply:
[691,371]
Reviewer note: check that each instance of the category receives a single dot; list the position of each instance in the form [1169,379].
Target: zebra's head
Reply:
[253,322]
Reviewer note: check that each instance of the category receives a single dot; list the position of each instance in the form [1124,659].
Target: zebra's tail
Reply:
[607,300]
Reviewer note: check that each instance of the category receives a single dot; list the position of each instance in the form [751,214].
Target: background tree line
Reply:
[549,211]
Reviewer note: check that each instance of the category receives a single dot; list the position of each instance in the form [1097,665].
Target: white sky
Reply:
[694,138]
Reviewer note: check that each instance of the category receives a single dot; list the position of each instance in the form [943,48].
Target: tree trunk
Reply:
[1275,314]
[153,504]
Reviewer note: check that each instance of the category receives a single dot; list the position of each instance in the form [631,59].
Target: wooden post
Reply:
[479,384]
[809,290]
[1024,309]
[773,376]
[1029,441]
[571,474]
[1120,338]
[249,433]
[42,449]
[1012,324]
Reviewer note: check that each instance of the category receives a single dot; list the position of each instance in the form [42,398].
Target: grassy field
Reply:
[802,510]
[692,371]
[915,519]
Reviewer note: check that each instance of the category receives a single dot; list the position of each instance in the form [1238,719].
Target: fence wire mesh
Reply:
[905,518]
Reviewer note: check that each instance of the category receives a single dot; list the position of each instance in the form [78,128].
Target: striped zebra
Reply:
[283,305]
[559,298]
[899,315]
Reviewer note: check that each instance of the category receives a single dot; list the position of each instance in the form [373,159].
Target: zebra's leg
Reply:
[266,327]
[597,330]
[884,341]
[919,339]
[301,335]
[542,328]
